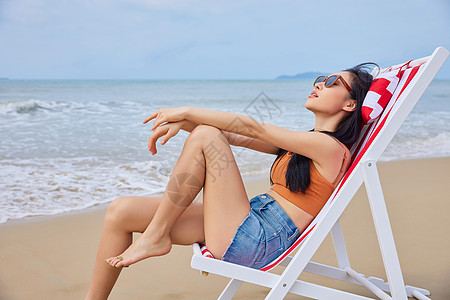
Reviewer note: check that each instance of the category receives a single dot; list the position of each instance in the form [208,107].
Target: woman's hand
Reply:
[163,115]
[165,131]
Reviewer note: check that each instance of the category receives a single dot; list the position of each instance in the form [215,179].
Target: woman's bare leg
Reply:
[133,214]
[206,160]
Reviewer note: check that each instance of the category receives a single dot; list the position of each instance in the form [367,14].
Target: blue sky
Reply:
[199,39]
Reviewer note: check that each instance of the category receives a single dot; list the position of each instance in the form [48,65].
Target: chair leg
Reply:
[339,245]
[420,296]
[383,229]
[230,290]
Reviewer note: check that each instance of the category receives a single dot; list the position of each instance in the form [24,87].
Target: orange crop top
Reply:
[318,192]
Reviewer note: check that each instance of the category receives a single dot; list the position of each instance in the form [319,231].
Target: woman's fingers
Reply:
[166,131]
[160,131]
[158,121]
[159,117]
[151,145]
[163,115]
[152,116]
[171,133]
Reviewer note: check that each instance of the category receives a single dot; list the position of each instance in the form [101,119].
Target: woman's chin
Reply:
[309,106]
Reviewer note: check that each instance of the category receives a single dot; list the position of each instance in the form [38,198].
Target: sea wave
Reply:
[35,187]
[31,106]
[418,147]
[48,186]
[34,106]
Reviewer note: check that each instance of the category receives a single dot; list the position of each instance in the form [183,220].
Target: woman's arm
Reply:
[250,143]
[231,122]
[169,130]
[188,126]
[319,147]
[238,139]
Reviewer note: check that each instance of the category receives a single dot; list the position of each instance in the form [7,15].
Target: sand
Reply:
[52,257]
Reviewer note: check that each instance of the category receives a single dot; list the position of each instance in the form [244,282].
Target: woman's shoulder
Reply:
[330,147]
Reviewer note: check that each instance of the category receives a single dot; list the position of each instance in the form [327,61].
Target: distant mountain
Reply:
[306,75]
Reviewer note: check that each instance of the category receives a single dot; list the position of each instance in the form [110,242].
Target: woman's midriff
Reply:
[300,217]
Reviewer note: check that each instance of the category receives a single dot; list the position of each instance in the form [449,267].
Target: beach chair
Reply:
[391,98]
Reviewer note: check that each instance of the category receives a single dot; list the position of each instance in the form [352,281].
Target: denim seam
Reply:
[234,236]
[284,223]
[291,237]
[269,254]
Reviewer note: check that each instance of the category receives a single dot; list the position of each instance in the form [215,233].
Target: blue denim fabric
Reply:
[263,235]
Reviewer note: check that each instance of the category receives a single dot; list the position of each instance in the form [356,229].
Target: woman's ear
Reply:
[350,105]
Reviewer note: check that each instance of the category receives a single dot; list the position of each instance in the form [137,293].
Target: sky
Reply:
[199,39]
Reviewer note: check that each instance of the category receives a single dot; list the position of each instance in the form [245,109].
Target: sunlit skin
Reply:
[163,222]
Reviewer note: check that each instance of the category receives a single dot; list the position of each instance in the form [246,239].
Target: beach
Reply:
[52,257]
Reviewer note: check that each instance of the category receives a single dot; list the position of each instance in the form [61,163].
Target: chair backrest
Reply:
[378,132]
[408,74]
[404,75]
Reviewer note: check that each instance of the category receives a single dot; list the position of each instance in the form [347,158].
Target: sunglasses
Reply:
[330,80]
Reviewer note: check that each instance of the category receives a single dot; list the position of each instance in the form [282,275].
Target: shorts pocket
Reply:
[294,236]
[270,220]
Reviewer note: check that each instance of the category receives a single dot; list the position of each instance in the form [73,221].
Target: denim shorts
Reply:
[263,235]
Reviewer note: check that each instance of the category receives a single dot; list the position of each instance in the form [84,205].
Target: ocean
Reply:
[67,145]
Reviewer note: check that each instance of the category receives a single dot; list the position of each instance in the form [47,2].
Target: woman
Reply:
[251,233]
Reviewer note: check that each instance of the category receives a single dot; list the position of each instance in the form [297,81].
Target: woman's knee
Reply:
[117,210]
[126,210]
[205,133]
[132,214]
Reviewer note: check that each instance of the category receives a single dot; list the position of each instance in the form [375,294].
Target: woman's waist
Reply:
[300,217]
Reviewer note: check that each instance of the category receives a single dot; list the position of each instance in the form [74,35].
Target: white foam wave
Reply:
[51,186]
[39,106]
[418,147]
[47,186]
[30,106]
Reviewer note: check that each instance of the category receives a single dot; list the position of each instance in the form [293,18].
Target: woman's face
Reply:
[331,100]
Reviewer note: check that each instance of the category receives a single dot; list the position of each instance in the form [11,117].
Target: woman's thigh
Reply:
[134,214]
[225,199]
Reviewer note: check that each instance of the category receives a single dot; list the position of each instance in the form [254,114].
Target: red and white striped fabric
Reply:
[370,130]
[404,74]
[380,92]
[205,252]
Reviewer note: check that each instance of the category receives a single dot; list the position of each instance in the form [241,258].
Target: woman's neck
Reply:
[327,124]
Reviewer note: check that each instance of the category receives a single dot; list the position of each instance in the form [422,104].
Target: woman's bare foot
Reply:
[144,247]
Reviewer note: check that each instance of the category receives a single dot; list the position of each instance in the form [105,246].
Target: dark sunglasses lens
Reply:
[331,80]
[319,79]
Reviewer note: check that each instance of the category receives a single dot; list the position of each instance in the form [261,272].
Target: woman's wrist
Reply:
[222,120]
[188,126]
[187,112]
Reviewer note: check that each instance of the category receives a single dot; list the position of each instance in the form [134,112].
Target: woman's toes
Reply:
[112,261]
[119,264]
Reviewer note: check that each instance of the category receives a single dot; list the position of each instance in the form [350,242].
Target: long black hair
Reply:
[347,132]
